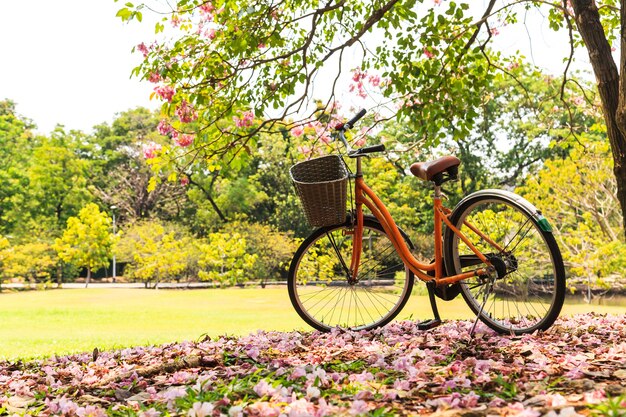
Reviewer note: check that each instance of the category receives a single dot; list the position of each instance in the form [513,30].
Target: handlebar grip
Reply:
[366,150]
[374,148]
[349,124]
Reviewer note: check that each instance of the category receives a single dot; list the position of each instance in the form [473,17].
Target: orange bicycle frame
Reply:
[365,196]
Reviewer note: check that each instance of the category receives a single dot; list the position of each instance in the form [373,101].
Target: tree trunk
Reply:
[209,197]
[88,277]
[59,275]
[611,86]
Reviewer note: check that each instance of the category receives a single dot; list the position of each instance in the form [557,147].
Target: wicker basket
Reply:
[321,184]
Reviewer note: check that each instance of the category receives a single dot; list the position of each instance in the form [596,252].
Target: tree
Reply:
[15,151]
[29,262]
[233,60]
[88,240]
[156,251]
[225,259]
[272,249]
[58,181]
[578,194]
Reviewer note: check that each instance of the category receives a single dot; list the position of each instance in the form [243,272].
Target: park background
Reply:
[236,224]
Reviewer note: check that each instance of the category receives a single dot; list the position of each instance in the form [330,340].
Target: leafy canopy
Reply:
[88,239]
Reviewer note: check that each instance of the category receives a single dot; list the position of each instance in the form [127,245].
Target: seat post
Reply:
[437,193]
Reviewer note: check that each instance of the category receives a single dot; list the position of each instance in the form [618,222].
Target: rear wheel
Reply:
[527,289]
[318,283]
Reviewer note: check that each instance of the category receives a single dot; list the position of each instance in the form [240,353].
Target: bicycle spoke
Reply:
[339,256]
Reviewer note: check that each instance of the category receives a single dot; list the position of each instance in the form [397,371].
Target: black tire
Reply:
[320,291]
[529,290]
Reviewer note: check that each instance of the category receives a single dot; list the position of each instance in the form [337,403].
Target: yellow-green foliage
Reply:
[225,259]
[28,262]
[88,240]
[317,263]
[273,249]
[155,252]
[577,195]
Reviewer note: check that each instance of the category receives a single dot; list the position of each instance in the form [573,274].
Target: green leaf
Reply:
[124,13]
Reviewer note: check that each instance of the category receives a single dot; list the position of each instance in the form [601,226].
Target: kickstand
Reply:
[436,321]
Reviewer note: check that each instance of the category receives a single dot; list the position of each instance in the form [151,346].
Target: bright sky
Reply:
[69,61]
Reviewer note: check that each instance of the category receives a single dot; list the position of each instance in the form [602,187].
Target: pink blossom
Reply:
[66,406]
[301,408]
[374,80]
[357,86]
[181,377]
[297,131]
[595,397]
[164,127]
[470,400]
[520,411]
[184,180]
[358,75]
[513,65]
[437,2]
[207,7]
[186,113]
[263,388]
[211,33]
[362,377]
[494,31]
[90,411]
[151,412]
[262,46]
[263,409]
[166,92]
[358,407]
[299,372]
[245,120]
[555,400]
[428,53]
[305,150]
[143,49]
[151,149]
[253,352]
[200,409]
[312,392]
[155,77]
[175,21]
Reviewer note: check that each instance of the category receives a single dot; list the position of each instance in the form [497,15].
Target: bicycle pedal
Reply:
[428,324]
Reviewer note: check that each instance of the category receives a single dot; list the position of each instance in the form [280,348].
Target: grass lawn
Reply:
[43,323]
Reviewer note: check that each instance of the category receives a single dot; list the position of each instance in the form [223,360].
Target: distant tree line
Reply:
[186,217]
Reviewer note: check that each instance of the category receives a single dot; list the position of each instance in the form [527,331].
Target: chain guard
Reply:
[451,291]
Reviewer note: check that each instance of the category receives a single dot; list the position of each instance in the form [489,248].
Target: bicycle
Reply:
[357,271]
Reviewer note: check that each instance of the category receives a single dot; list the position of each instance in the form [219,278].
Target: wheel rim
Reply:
[323,295]
[523,295]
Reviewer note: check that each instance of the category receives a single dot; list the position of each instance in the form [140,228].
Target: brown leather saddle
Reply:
[439,171]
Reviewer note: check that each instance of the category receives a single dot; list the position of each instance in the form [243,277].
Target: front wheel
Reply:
[526,290]
[320,290]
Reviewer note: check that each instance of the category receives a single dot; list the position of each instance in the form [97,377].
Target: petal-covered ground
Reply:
[578,367]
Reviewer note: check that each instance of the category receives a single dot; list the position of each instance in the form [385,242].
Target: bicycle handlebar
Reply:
[353,153]
[350,123]
[342,127]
